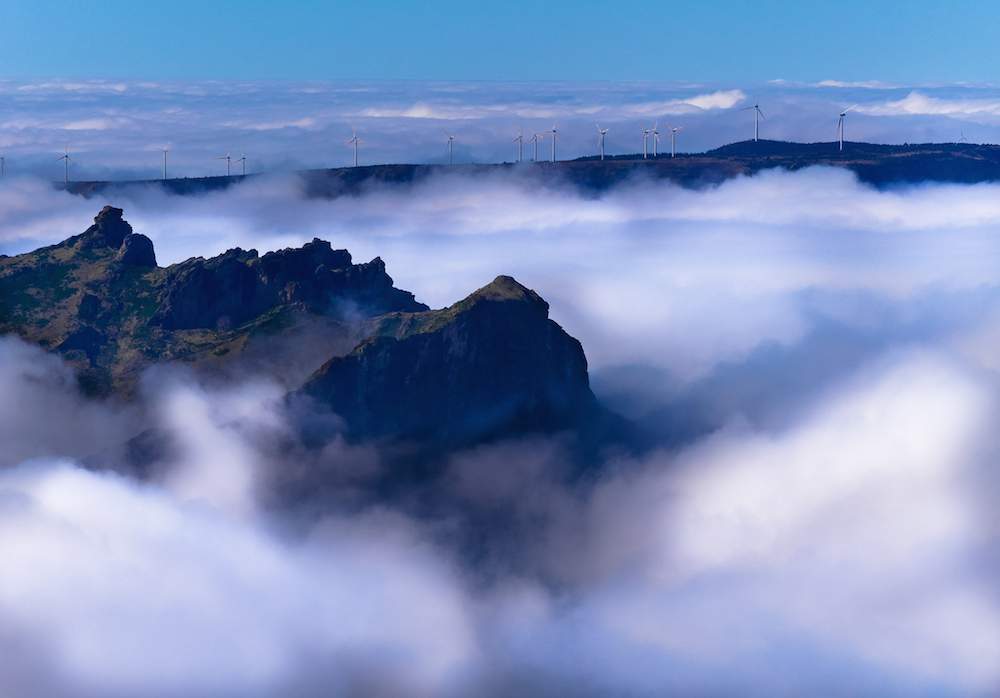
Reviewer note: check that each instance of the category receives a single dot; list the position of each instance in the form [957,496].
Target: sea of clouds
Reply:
[813,364]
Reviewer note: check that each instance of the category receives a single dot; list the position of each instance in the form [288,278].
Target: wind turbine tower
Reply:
[645,135]
[3,161]
[450,139]
[520,141]
[840,126]
[164,151]
[600,138]
[243,159]
[756,113]
[656,136]
[554,137]
[354,141]
[67,160]
[534,139]
[672,139]
[229,161]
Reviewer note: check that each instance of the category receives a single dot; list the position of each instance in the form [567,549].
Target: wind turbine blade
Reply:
[850,108]
[762,115]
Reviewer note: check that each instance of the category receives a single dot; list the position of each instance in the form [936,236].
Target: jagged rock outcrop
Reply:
[493,364]
[228,290]
[108,230]
[137,251]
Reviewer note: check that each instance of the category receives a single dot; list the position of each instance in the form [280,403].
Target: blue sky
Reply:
[922,40]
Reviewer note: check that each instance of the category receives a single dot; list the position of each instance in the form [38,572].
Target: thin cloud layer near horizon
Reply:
[116,129]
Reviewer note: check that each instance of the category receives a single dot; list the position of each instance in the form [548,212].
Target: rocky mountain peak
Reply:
[491,364]
[505,288]
[109,230]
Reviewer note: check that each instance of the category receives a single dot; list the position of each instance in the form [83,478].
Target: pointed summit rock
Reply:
[108,230]
[491,365]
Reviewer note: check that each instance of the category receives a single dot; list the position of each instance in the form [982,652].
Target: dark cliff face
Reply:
[230,289]
[491,365]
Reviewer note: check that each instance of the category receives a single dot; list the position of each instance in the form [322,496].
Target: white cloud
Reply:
[306,123]
[844,541]
[917,103]
[869,84]
[135,593]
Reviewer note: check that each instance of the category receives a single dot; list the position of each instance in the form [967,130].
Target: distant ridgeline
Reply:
[335,333]
[880,165]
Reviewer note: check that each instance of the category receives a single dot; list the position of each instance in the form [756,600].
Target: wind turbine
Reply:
[961,139]
[534,139]
[519,140]
[243,159]
[656,136]
[3,160]
[354,141]
[672,132]
[554,137]
[229,161]
[164,151]
[840,126]
[756,112]
[450,139]
[67,159]
[600,138]
[645,135]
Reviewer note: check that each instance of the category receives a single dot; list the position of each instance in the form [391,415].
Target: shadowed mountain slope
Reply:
[492,364]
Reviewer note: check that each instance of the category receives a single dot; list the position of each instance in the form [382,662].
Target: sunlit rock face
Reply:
[491,364]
